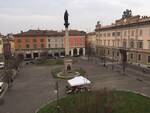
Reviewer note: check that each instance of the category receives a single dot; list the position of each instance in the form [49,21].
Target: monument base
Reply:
[68,64]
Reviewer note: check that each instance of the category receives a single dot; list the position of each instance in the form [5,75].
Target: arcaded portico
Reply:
[77,51]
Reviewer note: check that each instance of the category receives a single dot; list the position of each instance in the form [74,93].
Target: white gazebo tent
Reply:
[78,81]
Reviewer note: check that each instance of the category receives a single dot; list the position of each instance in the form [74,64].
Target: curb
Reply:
[46,104]
[136,92]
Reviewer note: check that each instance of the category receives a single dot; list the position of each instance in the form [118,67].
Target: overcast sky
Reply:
[17,15]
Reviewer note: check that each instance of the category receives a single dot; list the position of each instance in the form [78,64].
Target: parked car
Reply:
[2,65]
[1,87]
[62,56]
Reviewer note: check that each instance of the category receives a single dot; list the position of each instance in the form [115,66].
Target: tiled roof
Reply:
[39,33]
[91,33]
[49,33]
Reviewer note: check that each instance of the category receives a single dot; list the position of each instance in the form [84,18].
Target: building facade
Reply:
[55,44]
[1,46]
[31,44]
[37,43]
[91,41]
[131,33]
[76,42]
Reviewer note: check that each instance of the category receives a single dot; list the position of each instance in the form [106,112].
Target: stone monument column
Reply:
[67,60]
[66,33]
[67,49]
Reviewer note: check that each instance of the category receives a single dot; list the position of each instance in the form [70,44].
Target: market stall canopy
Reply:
[77,81]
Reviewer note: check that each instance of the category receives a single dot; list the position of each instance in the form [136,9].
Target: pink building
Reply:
[76,42]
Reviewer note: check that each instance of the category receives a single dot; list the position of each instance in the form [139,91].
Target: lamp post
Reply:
[57,97]
[112,58]
[104,58]
[124,59]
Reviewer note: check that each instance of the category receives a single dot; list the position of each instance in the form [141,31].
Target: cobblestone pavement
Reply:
[34,86]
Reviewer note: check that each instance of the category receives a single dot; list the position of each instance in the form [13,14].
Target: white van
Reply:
[1,87]
[2,65]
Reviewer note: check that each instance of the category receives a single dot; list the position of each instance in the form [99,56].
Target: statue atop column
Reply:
[127,14]
[67,60]
[66,19]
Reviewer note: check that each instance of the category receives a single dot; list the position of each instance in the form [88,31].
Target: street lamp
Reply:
[104,58]
[124,58]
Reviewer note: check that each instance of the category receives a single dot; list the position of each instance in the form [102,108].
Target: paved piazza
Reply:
[34,86]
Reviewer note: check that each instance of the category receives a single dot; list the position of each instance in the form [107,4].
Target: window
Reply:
[131,56]
[148,59]
[42,45]
[118,42]
[35,46]
[140,44]
[113,34]
[34,40]
[139,57]
[49,40]
[118,33]
[49,45]
[113,43]
[108,52]
[19,40]
[132,44]
[124,43]
[104,42]
[41,40]
[148,44]
[113,53]
[0,42]
[117,53]
[27,46]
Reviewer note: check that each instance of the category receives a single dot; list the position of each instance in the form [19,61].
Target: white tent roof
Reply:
[77,81]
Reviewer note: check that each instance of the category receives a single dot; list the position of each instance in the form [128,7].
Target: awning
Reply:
[77,81]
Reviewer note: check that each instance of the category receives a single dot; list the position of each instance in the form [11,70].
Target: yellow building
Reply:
[131,33]
[91,38]
[1,46]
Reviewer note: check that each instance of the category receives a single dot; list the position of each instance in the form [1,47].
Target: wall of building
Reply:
[76,45]
[129,38]
[33,42]
[55,42]
[1,46]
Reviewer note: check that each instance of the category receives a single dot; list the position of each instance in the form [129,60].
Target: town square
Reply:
[67,68]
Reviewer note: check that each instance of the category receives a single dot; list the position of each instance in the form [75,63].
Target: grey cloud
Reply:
[16,15]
